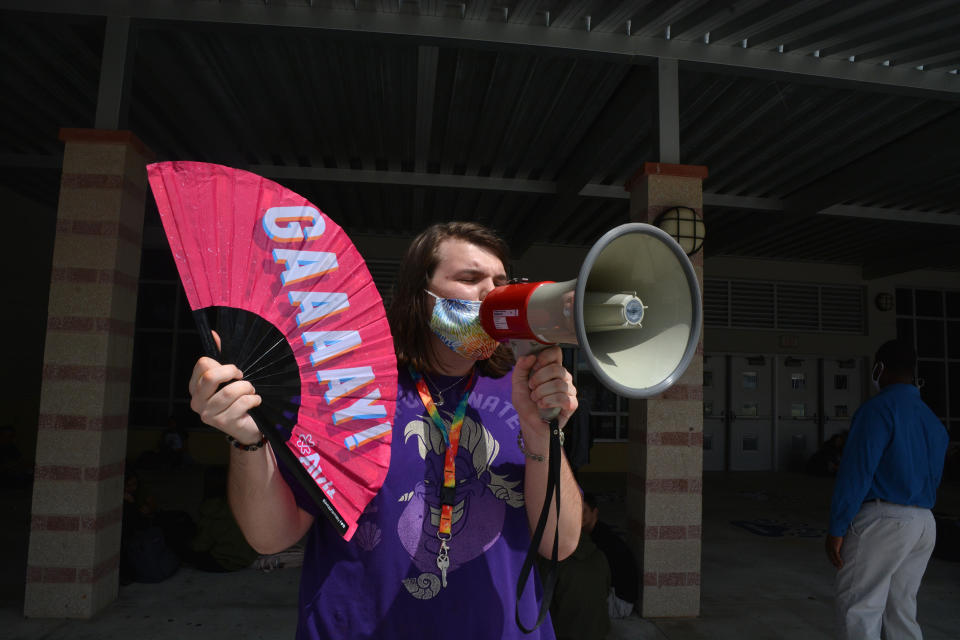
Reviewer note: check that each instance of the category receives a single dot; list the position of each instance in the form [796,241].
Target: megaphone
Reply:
[634,310]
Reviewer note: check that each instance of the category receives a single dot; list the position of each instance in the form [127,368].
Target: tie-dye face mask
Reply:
[457,323]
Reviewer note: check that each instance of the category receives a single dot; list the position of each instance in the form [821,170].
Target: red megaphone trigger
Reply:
[503,313]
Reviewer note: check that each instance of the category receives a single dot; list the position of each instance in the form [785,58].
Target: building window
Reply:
[798,381]
[166,345]
[608,413]
[929,319]
[750,380]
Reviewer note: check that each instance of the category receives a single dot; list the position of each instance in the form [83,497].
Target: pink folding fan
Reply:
[298,313]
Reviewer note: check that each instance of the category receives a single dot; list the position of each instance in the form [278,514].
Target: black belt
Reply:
[880,500]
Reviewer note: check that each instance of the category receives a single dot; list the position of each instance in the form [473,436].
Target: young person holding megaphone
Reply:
[476,464]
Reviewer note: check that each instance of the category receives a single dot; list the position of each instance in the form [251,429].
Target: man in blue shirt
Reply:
[881,529]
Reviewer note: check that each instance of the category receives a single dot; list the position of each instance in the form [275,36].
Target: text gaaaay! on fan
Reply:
[300,224]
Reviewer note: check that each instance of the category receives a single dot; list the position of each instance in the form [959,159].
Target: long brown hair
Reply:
[409,312]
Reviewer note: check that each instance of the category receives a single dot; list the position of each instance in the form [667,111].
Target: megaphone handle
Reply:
[522,348]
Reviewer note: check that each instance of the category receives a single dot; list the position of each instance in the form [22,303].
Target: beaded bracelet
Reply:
[247,447]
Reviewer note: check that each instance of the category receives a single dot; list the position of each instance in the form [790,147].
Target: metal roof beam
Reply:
[908,154]
[816,20]
[616,192]
[616,18]
[915,20]
[741,202]
[608,132]
[905,53]
[898,215]
[524,11]
[926,258]
[113,96]
[854,23]
[949,61]
[667,121]
[407,178]
[697,22]
[654,17]
[767,16]
[611,129]
[427,60]
[30,161]
[481,183]
[480,32]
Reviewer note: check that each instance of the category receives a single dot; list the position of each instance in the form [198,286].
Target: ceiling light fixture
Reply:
[884,301]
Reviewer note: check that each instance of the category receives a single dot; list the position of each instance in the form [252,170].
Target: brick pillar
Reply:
[72,564]
[664,489]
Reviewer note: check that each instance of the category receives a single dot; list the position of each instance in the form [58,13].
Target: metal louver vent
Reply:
[798,307]
[716,302]
[790,306]
[384,273]
[841,309]
[752,304]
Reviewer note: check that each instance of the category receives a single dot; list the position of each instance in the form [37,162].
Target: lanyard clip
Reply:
[448,496]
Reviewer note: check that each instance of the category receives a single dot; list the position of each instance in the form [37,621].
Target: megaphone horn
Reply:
[634,309]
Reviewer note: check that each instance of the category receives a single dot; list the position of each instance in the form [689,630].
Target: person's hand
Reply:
[541,382]
[224,409]
[832,545]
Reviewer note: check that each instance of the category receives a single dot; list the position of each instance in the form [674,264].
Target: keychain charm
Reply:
[443,561]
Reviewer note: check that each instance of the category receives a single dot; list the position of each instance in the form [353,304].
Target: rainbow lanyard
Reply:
[452,438]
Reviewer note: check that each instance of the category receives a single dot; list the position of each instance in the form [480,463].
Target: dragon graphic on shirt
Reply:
[482,497]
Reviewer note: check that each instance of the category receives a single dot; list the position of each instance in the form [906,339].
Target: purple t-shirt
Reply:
[385,583]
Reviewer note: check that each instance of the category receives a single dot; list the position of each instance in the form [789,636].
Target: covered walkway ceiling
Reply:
[831,129]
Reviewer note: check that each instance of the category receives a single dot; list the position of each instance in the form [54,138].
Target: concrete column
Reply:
[664,490]
[72,563]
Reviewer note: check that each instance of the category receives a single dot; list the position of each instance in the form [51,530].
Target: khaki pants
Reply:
[885,553]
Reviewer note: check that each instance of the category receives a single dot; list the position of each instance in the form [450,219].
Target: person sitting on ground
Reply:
[173,446]
[623,566]
[826,460]
[219,545]
[15,472]
[579,609]
[145,552]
